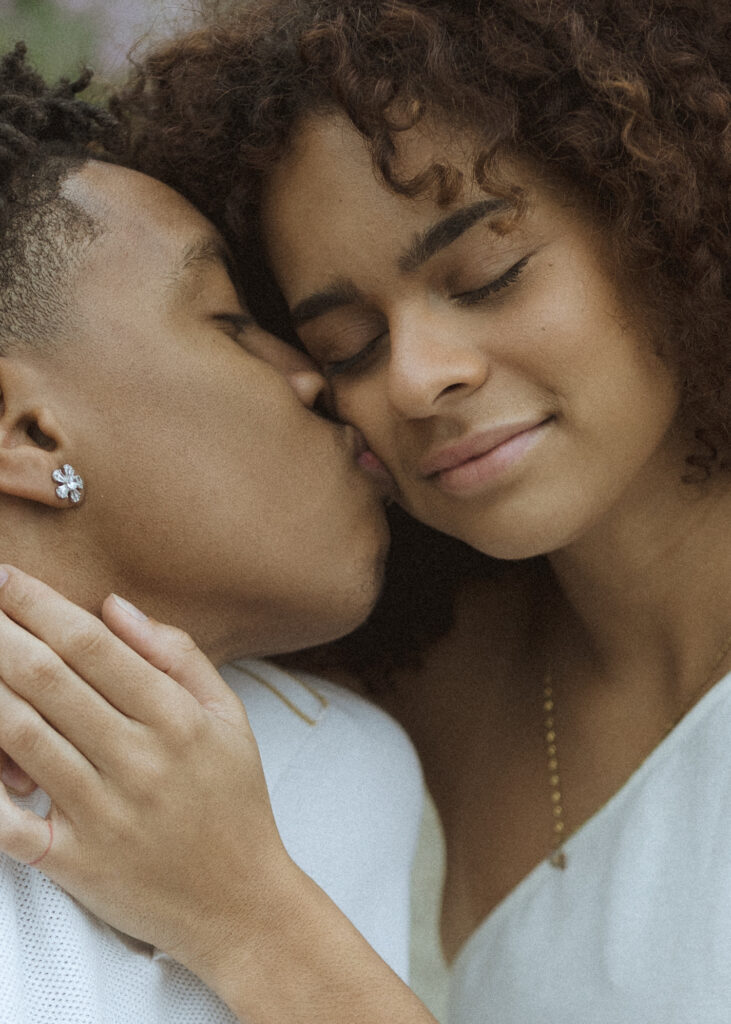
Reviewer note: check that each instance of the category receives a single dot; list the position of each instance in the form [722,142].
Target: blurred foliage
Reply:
[60,41]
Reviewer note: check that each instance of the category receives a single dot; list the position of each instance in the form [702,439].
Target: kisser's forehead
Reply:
[149,231]
[132,202]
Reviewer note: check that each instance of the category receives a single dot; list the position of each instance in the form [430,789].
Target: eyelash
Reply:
[504,281]
[357,361]
[360,358]
[236,320]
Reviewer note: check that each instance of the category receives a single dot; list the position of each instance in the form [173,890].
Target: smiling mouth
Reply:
[481,460]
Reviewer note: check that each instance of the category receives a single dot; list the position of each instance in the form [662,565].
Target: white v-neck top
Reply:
[637,929]
[346,790]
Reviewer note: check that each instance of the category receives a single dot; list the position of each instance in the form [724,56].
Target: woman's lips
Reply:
[479,460]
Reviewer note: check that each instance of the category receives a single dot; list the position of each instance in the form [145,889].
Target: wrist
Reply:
[227,937]
[308,962]
[273,956]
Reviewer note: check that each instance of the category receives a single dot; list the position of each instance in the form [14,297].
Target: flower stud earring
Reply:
[70,484]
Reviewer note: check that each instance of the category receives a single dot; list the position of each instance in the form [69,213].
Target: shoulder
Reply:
[298,716]
[346,791]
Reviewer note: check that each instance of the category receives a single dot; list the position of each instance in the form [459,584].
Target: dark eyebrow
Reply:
[339,293]
[446,231]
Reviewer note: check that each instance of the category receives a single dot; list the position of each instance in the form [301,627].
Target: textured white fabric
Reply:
[637,929]
[346,791]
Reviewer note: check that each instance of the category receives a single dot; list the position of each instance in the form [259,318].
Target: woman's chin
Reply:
[512,537]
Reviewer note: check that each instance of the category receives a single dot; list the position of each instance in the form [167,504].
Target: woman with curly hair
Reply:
[502,231]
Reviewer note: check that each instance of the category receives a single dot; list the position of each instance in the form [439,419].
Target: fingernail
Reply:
[3,575]
[129,608]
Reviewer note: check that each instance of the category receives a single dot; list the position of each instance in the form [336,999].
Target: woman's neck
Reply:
[650,586]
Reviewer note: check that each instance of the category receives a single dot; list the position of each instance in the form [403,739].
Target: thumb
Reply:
[168,649]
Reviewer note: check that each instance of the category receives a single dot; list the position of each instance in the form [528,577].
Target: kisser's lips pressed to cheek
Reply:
[372,465]
[482,458]
[353,438]
[369,462]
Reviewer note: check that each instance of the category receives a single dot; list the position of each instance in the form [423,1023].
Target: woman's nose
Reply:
[431,364]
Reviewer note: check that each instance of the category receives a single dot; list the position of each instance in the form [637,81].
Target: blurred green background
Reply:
[64,35]
[60,39]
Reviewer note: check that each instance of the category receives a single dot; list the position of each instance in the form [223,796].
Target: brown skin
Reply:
[634,644]
[627,644]
[551,349]
[216,498]
[636,607]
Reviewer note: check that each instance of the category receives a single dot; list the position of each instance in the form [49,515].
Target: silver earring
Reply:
[70,484]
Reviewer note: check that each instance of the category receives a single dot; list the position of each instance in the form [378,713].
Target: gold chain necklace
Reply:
[557,857]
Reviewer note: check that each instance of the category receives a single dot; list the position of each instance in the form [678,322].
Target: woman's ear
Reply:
[35,463]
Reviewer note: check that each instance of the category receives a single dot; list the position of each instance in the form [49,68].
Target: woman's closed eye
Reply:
[342,342]
[357,361]
[470,297]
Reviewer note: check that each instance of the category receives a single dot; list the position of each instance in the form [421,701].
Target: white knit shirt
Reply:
[346,792]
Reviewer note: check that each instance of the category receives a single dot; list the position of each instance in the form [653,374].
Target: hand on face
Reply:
[154,776]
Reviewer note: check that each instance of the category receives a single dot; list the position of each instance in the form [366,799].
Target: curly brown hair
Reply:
[627,103]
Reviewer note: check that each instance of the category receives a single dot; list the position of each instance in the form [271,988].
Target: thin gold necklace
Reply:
[557,857]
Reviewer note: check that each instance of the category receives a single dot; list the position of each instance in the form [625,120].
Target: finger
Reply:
[56,765]
[14,778]
[83,642]
[35,673]
[24,836]
[171,651]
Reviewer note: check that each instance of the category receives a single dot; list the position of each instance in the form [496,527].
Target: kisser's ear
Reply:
[34,456]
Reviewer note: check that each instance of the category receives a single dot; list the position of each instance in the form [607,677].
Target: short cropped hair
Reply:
[46,132]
